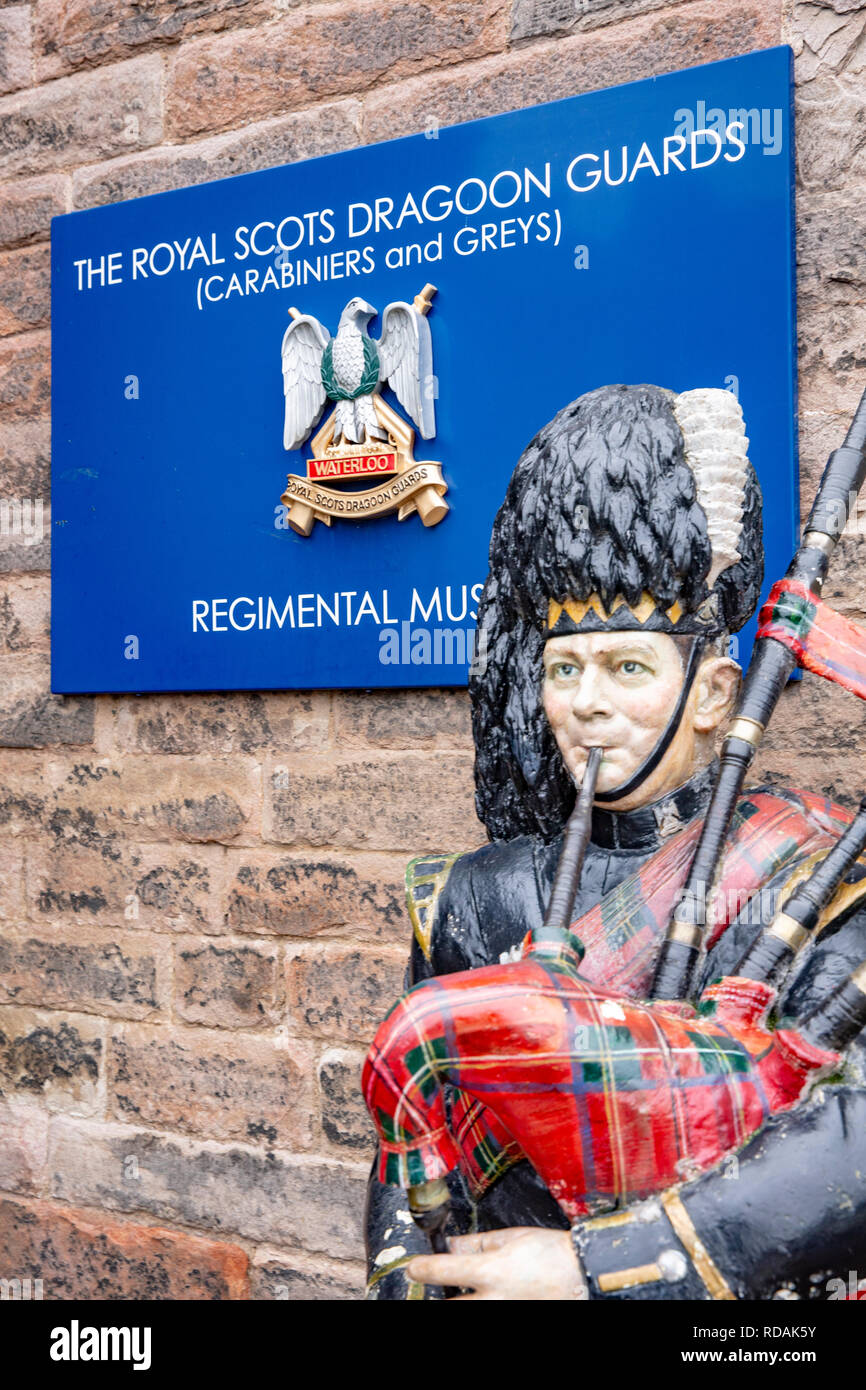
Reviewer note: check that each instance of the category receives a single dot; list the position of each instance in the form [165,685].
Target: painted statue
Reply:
[630,1065]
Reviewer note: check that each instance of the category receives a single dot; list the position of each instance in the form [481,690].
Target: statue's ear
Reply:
[717,687]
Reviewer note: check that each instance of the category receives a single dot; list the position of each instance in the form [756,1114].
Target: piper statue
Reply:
[635,994]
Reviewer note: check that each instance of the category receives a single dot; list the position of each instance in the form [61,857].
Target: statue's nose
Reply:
[589,698]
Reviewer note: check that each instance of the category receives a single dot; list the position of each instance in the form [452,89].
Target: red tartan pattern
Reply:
[770,832]
[820,638]
[622,933]
[608,1099]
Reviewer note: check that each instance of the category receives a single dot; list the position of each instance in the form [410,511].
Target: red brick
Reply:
[94,115]
[412,802]
[23,1147]
[328,50]
[304,895]
[339,993]
[545,71]
[234,722]
[25,289]
[121,976]
[81,1255]
[54,1057]
[199,1081]
[73,33]
[227,986]
[28,205]
[24,614]
[25,376]
[402,719]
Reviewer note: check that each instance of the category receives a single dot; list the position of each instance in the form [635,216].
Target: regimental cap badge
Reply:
[362,439]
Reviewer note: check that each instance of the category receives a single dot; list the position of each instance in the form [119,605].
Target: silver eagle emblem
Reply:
[351,367]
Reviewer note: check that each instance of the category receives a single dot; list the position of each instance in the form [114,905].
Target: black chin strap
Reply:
[652,760]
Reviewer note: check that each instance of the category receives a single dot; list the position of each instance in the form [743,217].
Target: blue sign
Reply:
[643,233]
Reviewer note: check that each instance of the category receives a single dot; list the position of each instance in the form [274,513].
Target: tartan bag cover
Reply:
[609,1099]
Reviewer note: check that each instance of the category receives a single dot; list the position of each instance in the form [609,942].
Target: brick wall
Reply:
[192,957]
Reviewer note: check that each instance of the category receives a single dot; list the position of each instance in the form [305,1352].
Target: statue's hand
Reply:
[520,1263]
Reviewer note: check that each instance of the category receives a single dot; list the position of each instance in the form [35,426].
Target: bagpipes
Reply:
[612,1099]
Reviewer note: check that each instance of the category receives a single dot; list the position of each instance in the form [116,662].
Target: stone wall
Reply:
[193,955]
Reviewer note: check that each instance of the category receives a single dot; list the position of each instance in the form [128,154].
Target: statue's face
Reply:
[617,690]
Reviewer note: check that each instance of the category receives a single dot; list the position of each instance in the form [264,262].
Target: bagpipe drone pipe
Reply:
[612,1099]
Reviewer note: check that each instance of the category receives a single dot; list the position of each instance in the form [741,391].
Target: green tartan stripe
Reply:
[423,1063]
[617,1059]
[415,1170]
[487,1154]
[393,1169]
[795,613]
[720,1056]
[782,856]
[391,1131]
[405,1169]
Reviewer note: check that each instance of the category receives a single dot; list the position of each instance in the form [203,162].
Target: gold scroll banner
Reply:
[420,488]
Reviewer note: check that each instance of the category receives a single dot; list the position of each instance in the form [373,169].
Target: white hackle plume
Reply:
[714,436]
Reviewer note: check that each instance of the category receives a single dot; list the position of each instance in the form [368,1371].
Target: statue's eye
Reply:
[563,670]
[632,668]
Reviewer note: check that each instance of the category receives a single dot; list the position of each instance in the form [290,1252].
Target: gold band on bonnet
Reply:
[577,609]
